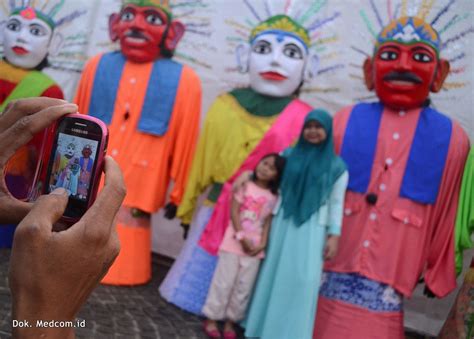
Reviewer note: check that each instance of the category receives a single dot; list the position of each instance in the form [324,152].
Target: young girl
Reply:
[243,247]
[305,230]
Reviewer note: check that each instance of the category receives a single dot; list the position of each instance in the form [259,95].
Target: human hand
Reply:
[53,273]
[247,246]
[332,244]
[257,249]
[241,180]
[20,121]
[428,293]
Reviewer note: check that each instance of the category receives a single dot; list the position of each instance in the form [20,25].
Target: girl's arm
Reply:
[234,214]
[235,218]
[265,232]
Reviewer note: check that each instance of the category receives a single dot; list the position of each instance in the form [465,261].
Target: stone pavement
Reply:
[118,312]
[122,312]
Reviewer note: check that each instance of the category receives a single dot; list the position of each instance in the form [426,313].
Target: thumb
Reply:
[46,210]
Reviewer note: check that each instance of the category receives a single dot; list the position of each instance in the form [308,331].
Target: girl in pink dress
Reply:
[243,247]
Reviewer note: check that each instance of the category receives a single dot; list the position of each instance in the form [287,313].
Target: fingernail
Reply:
[59,191]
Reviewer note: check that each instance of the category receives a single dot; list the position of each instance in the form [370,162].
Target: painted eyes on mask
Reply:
[418,56]
[14,25]
[127,16]
[292,51]
[422,57]
[37,30]
[388,55]
[262,47]
[154,20]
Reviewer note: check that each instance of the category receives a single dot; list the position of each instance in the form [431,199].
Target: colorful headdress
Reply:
[31,13]
[282,23]
[48,12]
[161,4]
[409,30]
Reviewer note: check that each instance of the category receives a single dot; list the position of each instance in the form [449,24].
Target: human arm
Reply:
[265,231]
[47,267]
[332,244]
[235,218]
[20,121]
[336,205]
[53,273]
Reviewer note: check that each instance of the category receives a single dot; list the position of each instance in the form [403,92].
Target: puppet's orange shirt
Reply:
[149,162]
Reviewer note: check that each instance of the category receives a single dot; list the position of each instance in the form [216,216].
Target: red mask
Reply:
[86,152]
[403,75]
[141,31]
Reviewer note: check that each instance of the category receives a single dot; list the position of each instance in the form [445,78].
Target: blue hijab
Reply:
[310,172]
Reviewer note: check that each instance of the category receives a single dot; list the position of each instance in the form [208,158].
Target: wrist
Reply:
[239,235]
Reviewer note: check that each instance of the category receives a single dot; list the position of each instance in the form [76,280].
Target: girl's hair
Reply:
[280,161]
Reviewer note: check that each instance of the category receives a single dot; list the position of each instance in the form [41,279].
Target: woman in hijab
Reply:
[304,231]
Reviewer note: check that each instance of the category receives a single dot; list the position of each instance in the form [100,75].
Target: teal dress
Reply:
[286,294]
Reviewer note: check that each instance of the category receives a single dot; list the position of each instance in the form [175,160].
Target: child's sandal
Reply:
[230,335]
[215,334]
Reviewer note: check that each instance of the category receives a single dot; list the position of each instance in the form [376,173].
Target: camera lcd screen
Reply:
[73,165]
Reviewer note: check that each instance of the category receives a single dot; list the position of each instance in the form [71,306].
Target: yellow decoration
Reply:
[282,23]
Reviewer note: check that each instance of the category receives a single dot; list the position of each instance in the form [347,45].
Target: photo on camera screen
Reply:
[73,165]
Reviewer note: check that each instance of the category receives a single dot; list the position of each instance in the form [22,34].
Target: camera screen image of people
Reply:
[73,165]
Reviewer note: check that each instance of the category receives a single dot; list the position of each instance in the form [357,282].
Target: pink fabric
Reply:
[283,132]
[339,320]
[396,239]
[256,205]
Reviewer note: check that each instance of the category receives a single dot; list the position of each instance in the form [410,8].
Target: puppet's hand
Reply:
[170,210]
[185,230]
[428,293]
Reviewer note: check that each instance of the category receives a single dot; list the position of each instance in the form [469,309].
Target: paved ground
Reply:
[120,312]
